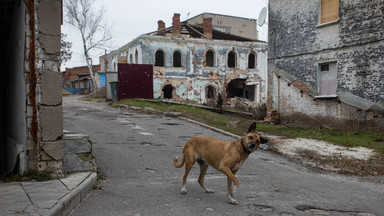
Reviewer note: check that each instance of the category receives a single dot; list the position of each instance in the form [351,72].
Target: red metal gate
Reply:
[135,81]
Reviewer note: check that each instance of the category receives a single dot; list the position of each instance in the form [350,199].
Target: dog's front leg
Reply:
[230,178]
[231,192]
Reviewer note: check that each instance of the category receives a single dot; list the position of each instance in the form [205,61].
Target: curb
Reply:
[210,127]
[72,199]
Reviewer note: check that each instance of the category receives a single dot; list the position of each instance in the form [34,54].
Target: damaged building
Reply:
[195,62]
[326,63]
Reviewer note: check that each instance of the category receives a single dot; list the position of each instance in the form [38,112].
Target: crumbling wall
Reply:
[44,109]
[298,43]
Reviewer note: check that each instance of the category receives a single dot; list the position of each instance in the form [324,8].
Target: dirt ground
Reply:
[327,156]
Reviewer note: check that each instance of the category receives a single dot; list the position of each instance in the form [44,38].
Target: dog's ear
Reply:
[252,128]
[263,141]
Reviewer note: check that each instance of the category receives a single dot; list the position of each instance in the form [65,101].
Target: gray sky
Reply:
[133,18]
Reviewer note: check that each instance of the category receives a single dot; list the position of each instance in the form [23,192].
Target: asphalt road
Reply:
[135,154]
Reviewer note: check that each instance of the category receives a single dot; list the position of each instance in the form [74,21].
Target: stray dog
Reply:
[225,156]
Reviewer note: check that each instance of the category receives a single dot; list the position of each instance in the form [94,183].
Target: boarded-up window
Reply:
[329,10]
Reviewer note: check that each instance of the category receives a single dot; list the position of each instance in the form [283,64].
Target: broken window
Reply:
[176,59]
[232,59]
[329,11]
[236,88]
[210,58]
[251,60]
[327,78]
[159,58]
[210,91]
[167,91]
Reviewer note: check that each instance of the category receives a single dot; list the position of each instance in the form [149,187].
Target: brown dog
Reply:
[226,157]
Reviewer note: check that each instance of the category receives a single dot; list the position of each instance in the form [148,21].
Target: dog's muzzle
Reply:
[252,145]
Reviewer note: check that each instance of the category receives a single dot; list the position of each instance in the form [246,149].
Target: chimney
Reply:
[160,25]
[207,27]
[176,25]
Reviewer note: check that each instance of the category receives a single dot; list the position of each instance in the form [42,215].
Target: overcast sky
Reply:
[133,18]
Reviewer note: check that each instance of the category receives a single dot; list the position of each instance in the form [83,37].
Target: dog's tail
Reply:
[176,162]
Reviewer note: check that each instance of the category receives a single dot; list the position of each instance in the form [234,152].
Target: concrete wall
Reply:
[298,43]
[190,80]
[44,80]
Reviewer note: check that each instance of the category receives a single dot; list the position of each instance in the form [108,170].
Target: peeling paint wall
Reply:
[192,78]
[299,43]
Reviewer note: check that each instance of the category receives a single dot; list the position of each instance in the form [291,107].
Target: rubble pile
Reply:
[241,103]
[273,117]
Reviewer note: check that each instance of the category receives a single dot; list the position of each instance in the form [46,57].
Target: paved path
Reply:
[55,197]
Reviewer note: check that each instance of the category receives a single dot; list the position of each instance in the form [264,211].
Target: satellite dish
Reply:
[262,16]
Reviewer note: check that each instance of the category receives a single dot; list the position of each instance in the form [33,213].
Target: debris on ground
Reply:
[272,117]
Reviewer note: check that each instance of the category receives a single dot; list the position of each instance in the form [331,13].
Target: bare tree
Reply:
[95,33]
[65,51]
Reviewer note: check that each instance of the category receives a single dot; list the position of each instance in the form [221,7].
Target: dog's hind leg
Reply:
[203,171]
[188,166]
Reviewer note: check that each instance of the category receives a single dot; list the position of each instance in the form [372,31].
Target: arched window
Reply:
[176,59]
[252,61]
[232,59]
[130,59]
[210,58]
[159,58]
[168,90]
[136,57]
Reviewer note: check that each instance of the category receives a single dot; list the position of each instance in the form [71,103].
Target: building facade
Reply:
[229,24]
[326,63]
[196,63]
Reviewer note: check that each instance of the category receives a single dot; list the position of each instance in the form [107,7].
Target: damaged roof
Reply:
[194,31]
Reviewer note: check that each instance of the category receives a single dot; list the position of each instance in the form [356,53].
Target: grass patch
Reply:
[30,175]
[238,125]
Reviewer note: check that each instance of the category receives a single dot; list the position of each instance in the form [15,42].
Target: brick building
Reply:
[32,119]
[326,63]
[79,77]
